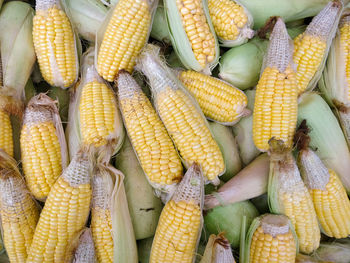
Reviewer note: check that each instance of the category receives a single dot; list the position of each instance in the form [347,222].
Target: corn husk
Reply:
[337,251]
[144,249]
[272,225]
[326,135]
[288,10]
[174,61]
[180,41]
[228,146]
[87,16]
[261,203]
[159,27]
[17,48]
[248,183]
[29,91]
[241,65]
[301,258]
[85,250]
[144,206]
[228,218]
[73,132]
[242,131]
[218,250]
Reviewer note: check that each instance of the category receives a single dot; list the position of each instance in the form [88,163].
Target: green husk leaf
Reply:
[228,146]
[261,203]
[144,206]
[144,249]
[17,48]
[337,251]
[174,61]
[180,41]
[228,219]
[29,90]
[327,139]
[159,27]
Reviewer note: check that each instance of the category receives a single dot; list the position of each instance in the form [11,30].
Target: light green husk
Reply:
[218,250]
[253,227]
[180,41]
[159,27]
[62,95]
[17,48]
[243,133]
[174,61]
[144,206]
[228,219]
[288,10]
[228,146]
[338,251]
[87,16]
[326,135]
[241,65]
[144,249]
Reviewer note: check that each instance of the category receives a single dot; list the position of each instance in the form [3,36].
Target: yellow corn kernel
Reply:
[218,100]
[344,30]
[148,135]
[98,113]
[228,18]
[65,213]
[273,242]
[126,34]
[41,148]
[6,140]
[197,29]
[19,212]
[332,207]
[180,222]
[54,44]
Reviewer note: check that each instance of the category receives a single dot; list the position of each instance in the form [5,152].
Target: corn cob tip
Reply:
[275,224]
[46,4]
[277,148]
[191,186]
[127,85]
[10,104]
[102,187]
[85,252]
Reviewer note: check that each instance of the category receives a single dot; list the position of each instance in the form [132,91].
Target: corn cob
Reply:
[232,22]
[180,223]
[43,145]
[311,48]
[85,252]
[270,238]
[132,20]
[328,194]
[218,250]
[288,195]
[192,33]
[275,108]
[218,100]
[148,136]
[94,117]
[65,212]
[182,117]
[19,212]
[54,44]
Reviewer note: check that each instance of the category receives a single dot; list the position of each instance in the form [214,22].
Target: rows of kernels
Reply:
[308,55]
[275,108]
[97,109]
[18,222]
[63,216]
[125,35]
[189,132]
[344,39]
[6,140]
[218,100]
[41,157]
[197,29]
[101,227]
[299,208]
[177,232]
[150,140]
[332,208]
[228,18]
[266,248]
[55,46]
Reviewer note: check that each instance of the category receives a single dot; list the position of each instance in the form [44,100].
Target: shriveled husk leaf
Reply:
[159,27]
[144,249]
[228,219]
[243,133]
[326,135]
[218,250]
[17,48]
[228,146]
[288,10]
[73,132]
[282,224]
[241,65]
[337,251]
[248,183]
[180,40]
[87,16]
[82,248]
[144,206]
